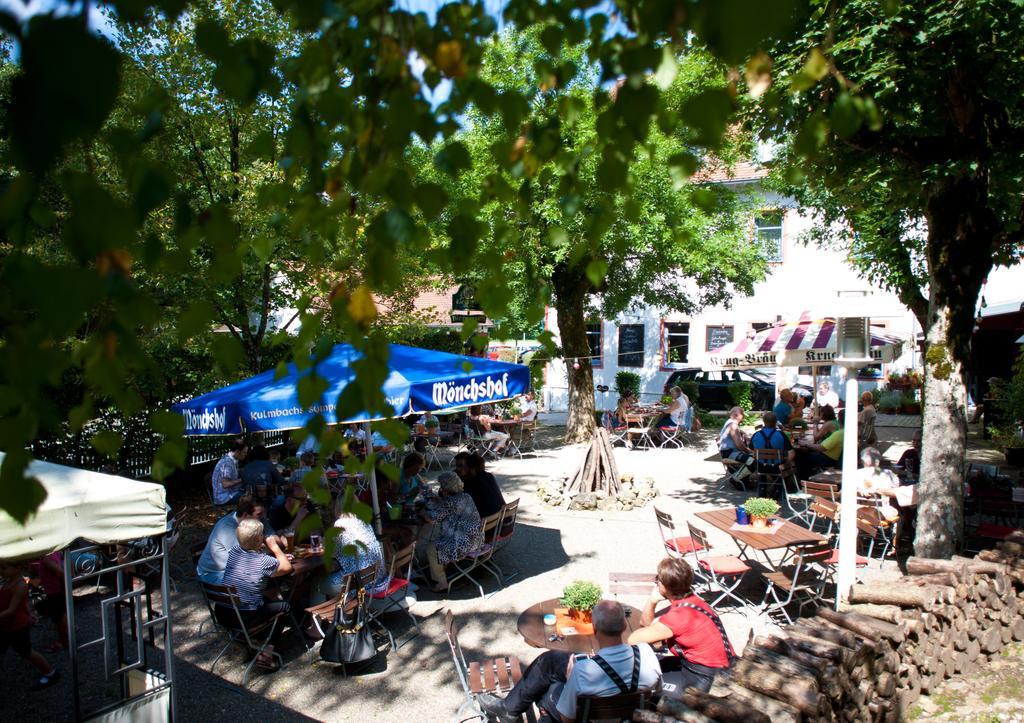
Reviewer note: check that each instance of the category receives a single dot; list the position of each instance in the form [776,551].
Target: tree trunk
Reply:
[962,233]
[571,291]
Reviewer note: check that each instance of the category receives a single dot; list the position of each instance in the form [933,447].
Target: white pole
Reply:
[372,477]
[848,498]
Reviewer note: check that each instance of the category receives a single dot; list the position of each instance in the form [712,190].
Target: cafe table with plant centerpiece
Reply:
[773,535]
[564,623]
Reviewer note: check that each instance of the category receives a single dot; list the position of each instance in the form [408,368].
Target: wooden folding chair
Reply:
[493,675]
[633,584]
[612,707]
[803,582]
[255,638]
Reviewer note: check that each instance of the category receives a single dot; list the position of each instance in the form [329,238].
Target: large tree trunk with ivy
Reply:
[962,233]
[571,290]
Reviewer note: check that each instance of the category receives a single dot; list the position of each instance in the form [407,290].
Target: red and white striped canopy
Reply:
[806,342]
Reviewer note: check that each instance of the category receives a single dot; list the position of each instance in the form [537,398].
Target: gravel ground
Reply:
[550,549]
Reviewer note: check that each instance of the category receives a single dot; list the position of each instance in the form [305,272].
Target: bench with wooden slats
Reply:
[497,675]
[630,583]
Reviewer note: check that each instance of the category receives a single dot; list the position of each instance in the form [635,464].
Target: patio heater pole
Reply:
[848,497]
[371,476]
[853,350]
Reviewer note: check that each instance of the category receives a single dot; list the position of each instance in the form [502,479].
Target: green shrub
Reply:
[742,394]
[761,507]
[627,383]
[890,400]
[691,390]
[709,420]
[581,595]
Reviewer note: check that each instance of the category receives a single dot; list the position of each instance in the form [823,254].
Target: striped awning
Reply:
[806,342]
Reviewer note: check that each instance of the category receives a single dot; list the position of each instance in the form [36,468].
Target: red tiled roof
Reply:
[717,172]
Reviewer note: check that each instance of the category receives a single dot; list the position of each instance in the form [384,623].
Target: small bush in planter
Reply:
[690,389]
[627,383]
[761,507]
[742,394]
[581,595]
[890,401]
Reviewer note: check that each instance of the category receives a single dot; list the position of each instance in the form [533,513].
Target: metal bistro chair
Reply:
[723,571]
[400,569]
[638,427]
[480,557]
[493,675]
[803,582]
[255,638]
[681,547]
[503,536]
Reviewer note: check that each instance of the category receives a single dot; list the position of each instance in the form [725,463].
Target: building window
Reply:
[768,235]
[631,345]
[717,336]
[675,344]
[595,340]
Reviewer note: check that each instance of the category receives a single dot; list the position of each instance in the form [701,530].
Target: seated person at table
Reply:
[769,437]
[429,422]
[226,482]
[456,527]
[911,459]
[355,548]
[817,456]
[733,444]
[828,423]
[482,420]
[248,569]
[306,461]
[210,567]
[555,678]
[676,410]
[259,472]
[479,483]
[528,407]
[826,396]
[866,433]
[693,637]
[783,408]
[410,484]
[290,509]
[624,407]
[874,481]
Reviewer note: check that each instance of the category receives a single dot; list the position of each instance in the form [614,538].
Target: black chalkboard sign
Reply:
[631,345]
[718,336]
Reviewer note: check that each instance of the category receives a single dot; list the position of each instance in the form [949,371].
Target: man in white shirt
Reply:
[556,678]
[226,482]
[529,408]
[826,397]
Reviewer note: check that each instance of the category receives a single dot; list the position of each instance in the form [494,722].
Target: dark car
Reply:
[713,387]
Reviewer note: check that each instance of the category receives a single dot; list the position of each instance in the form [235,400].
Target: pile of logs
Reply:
[597,472]
[871,661]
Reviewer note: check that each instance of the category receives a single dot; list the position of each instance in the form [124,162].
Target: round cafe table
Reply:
[531,626]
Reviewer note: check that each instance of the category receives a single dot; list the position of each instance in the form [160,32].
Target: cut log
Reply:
[688,716]
[801,692]
[777,710]
[821,628]
[819,646]
[724,710]
[983,567]
[928,566]
[991,641]
[893,593]
[863,625]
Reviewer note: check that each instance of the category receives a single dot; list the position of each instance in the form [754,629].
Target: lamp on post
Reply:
[853,350]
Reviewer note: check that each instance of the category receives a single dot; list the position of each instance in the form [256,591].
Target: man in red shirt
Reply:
[693,637]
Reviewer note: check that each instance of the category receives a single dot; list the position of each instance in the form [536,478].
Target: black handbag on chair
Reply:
[348,639]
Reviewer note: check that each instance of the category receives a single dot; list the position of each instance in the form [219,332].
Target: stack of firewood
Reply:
[871,661]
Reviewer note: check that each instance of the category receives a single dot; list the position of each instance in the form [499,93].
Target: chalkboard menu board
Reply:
[718,336]
[631,345]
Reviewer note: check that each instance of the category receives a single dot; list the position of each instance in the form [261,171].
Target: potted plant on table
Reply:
[760,509]
[580,597]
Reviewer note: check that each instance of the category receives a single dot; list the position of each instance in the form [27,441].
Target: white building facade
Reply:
[654,342]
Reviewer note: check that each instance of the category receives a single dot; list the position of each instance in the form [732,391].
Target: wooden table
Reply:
[531,626]
[788,535]
[832,476]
